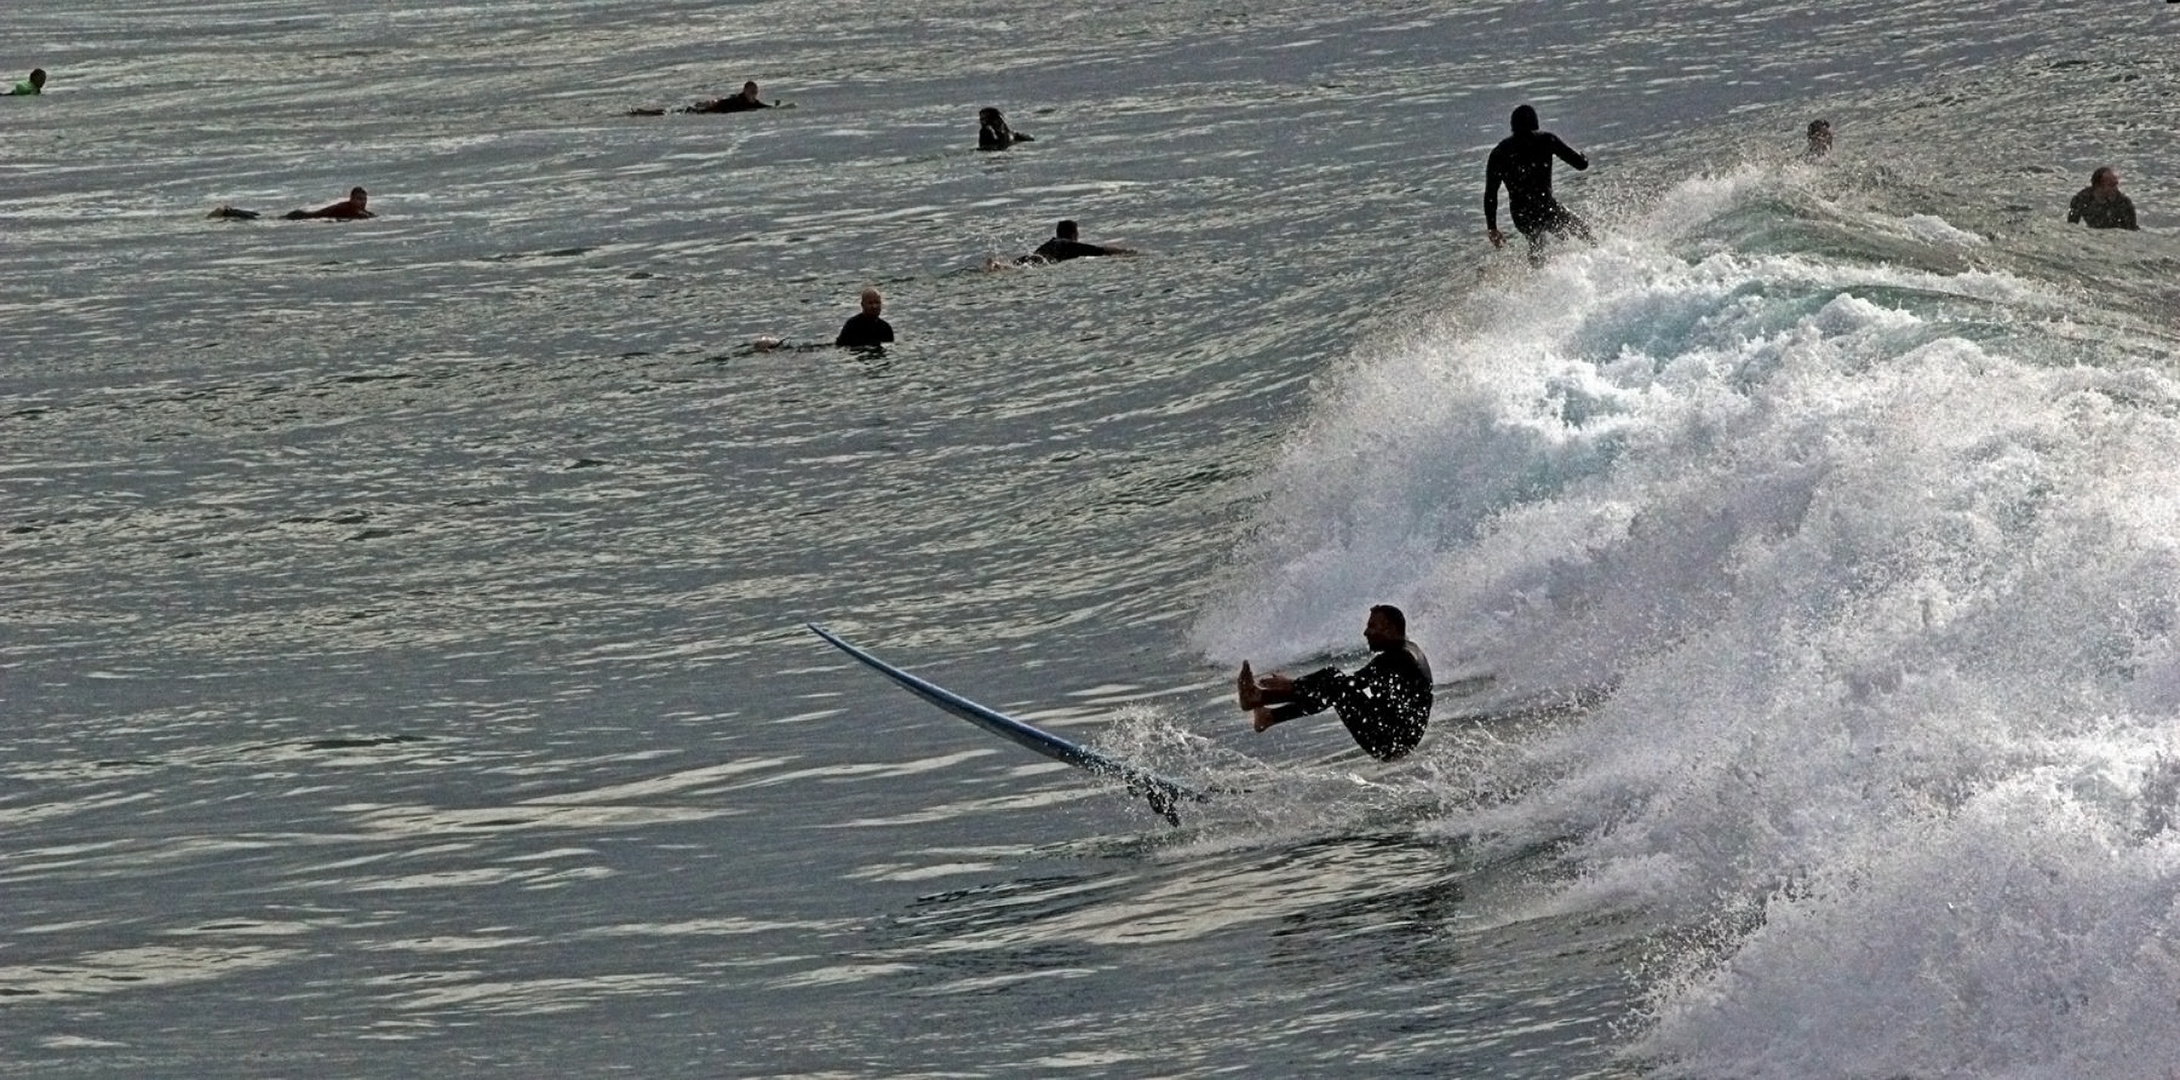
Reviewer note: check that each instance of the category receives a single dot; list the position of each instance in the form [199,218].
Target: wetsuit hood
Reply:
[1525,120]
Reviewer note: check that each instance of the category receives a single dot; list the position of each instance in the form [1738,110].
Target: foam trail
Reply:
[1880,567]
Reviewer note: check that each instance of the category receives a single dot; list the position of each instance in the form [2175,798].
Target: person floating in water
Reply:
[1523,162]
[2100,205]
[1385,706]
[352,208]
[992,132]
[745,101]
[1065,244]
[1820,140]
[742,102]
[30,87]
[866,330]
[231,213]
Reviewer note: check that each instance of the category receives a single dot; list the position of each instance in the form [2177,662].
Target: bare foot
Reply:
[1262,717]
[1245,689]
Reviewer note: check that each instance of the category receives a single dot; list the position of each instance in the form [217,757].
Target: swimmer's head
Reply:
[358,196]
[1525,119]
[872,302]
[749,90]
[1065,230]
[37,78]
[988,115]
[2106,178]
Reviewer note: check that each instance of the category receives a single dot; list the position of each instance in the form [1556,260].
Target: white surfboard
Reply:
[1162,793]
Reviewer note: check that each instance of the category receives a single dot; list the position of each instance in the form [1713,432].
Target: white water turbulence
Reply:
[1874,563]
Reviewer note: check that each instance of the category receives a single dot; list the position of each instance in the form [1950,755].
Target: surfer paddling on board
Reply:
[351,208]
[745,101]
[1523,162]
[1385,705]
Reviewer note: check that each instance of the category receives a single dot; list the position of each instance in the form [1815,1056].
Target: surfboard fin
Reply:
[1161,800]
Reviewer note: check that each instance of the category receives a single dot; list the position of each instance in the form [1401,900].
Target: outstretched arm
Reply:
[1492,180]
[1569,155]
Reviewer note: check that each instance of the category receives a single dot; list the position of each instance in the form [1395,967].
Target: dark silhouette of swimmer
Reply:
[351,208]
[32,86]
[1523,162]
[743,102]
[866,330]
[1820,140]
[1066,244]
[992,132]
[2100,205]
[231,213]
[1386,705]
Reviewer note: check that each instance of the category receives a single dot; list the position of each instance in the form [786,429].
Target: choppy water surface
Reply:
[401,651]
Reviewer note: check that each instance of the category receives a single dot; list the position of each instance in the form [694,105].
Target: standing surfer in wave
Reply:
[1385,706]
[2100,205]
[1523,162]
[352,208]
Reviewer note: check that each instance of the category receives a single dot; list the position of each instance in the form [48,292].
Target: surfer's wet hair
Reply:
[1525,119]
[1392,615]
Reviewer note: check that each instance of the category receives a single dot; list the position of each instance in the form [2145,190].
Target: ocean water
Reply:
[402,663]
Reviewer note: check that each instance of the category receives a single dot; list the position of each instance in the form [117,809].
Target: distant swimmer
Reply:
[992,132]
[1820,140]
[351,208]
[1523,162]
[745,101]
[1385,706]
[866,330]
[232,213]
[742,102]
[31,86]
[2100,205]
[1065,244]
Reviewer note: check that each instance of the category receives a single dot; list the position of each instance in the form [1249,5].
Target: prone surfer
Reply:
[1385,706]
[1523,162]
[745,101]
[2100,205]
[30,87]
[1066,243]
[352,208]
[992,132]
[742,102]
[865,330]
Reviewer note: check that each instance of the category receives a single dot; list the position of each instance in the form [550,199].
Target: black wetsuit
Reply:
[863,331]
[1385,705]
[737,103]
[1058,250]
[997,136]
[1523,162]
[2117,212]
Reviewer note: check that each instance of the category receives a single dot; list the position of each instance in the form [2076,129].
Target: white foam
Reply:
[1888,604]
